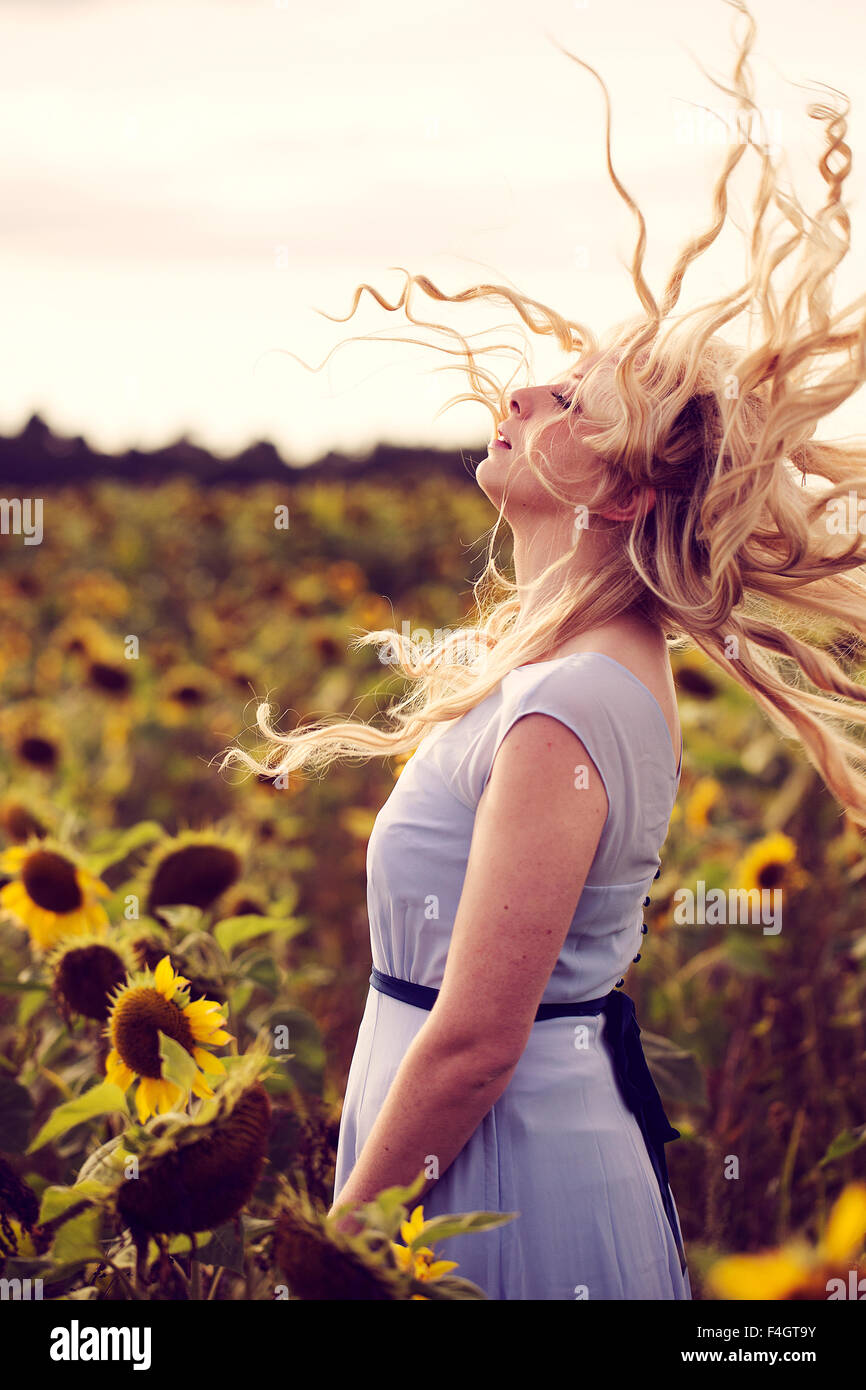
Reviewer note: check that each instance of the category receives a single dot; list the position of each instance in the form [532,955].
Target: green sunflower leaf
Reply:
[232,931]
[182,916]
[77,1241]
[56,1200]
[177,1064]
[104,1099]
[844,1144]
[110,847]
[443,1227]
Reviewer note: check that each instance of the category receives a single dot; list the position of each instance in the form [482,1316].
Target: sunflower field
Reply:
[184,954]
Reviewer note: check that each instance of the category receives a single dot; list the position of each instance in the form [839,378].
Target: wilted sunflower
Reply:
[84,973]
[195,868]
[150,1004]
[197,1172]
[50,895]
[321,1262]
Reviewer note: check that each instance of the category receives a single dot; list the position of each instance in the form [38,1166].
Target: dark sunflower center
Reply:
[18,822]
[139,1017]
[50,882]
[86,976]
[194,874]
[188,695]
[37,751]
[110,678]
[771,875]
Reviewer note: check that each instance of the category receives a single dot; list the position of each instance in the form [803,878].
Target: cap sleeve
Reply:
[567,694]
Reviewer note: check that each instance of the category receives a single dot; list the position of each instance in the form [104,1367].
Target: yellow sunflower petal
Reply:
[163,978]
[96,917]
[411,1228]
[846,1225]
[12,859]
[440,1267]
[402,1254]
[146,1097]
[208,1062]
[13,893]
[202,1008]
[772,1274]
[117,1072]
[201,1088]
[168,1096]
[207,1028]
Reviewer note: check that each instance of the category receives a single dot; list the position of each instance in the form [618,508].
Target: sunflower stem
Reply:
[122,1277]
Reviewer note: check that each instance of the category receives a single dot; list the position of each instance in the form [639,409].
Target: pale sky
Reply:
[182,183]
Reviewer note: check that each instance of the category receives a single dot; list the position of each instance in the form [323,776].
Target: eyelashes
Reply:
[561,400]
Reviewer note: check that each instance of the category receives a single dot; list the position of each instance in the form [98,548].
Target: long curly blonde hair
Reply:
[735,555]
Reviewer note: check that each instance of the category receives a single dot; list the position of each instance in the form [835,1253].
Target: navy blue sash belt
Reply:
[622,1039]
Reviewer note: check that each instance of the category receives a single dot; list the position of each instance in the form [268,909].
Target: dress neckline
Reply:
[570,656]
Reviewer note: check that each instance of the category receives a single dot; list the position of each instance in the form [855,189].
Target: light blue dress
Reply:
[559,1146]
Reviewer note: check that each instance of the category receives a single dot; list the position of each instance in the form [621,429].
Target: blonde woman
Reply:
[652,495]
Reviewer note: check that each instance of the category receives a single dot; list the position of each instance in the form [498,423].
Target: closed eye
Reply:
[562,400]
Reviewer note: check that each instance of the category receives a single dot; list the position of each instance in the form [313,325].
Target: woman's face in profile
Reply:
[562,438]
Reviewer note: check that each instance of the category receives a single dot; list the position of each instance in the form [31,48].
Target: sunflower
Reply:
[51,896]
[85,970]
[321,1262]
[696,675]
[705,794]
[149,951]
[37,751]
[150,1004]
[184,691]
[194,868]
[765,864]
[421,1263]
[197,1172]
[109,677]
[19,822]
[797,1269]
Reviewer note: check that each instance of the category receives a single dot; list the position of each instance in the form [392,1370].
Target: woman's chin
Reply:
[495,465]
